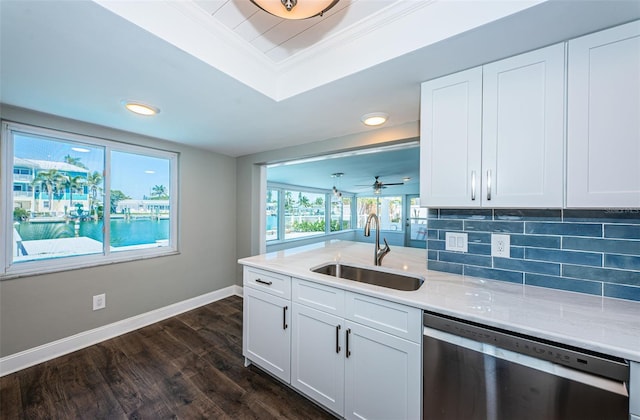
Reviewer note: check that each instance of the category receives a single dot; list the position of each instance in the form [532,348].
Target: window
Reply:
[293,213]
[71,201]
[272,214]
[388,209]
[340,213]
[304,214]
[417,219]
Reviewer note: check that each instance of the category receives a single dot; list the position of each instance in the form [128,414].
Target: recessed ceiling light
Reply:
[141,108]
[406,179]
[80,149]
[374,118]
[149,172]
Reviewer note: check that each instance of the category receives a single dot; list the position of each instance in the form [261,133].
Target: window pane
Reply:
[304,214]
[388,209]
[340,213]
[418,220]
[366,206]
[140,201]
[272,215]
[57,198]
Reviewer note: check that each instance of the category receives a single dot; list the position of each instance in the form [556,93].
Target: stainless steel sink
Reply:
[375,277]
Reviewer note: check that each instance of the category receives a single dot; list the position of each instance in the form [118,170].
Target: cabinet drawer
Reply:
[324,298]
[393,318]
[267,281]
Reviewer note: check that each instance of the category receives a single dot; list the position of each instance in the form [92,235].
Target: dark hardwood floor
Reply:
[186,367]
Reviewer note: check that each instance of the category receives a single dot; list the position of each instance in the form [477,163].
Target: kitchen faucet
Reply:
[378,253]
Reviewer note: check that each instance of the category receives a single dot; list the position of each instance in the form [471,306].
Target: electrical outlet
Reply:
[99,301]
[456,242]
[500,245]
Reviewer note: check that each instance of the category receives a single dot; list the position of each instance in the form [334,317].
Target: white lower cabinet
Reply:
[266,332]
[382,375]
[317,356]
[355,370]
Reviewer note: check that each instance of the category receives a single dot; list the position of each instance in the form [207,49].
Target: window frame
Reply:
[11,269]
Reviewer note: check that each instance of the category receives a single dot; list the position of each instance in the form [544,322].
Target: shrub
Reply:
[20,214]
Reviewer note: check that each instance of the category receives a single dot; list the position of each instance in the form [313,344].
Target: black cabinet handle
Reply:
[338,338]
[284,318]
[268,283]
[347,336]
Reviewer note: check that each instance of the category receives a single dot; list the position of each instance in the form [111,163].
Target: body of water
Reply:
[123,232]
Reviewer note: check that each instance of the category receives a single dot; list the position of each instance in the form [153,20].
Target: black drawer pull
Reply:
[337,338]
[268,283]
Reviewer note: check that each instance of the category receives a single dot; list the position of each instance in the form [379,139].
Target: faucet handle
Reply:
[381,252]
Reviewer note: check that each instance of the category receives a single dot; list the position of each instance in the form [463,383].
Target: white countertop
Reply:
[606,325]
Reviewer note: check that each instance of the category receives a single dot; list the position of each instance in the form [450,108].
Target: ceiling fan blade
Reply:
[393,183]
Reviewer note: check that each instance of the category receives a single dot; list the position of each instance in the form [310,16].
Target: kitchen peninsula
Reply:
[598,324]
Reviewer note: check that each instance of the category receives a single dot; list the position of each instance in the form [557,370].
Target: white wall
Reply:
[40,309]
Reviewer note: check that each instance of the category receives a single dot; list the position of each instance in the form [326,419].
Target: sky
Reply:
[134,175]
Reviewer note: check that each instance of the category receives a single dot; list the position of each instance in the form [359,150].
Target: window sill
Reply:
[80,263]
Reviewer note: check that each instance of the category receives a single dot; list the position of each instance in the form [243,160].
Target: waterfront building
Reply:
[33,196]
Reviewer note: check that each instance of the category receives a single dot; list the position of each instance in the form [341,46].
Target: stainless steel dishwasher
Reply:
[473,371]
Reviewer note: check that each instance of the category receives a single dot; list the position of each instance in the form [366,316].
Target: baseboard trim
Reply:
[33,356]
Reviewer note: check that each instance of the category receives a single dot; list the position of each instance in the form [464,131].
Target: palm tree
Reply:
[75,161]
[159,191]
[50,180]
[94,183]
[74,183]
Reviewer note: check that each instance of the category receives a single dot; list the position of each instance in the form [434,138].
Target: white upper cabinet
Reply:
[493,136]
[523,130]
[450,136]
[603,142]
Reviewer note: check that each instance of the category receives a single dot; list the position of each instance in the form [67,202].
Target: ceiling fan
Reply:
[379,185]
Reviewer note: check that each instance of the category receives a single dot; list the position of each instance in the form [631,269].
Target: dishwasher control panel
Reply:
[584,360]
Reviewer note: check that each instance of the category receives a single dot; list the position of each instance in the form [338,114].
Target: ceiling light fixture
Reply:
[336,191]
[295,9]
[141,108]
[374,118]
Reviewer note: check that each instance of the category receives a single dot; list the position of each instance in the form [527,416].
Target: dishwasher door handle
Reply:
[600,382]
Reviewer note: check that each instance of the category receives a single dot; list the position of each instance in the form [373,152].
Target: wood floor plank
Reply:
[186,335]
[39,396]
[85,392]
[136,396]
[186,367]
[10,399]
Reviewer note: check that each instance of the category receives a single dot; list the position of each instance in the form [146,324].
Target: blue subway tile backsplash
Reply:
[587,251]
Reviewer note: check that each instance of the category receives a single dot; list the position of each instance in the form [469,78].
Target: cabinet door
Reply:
[523,130]
[382,375]
[266,333]
[450,136]
[603,148]
[317,356]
